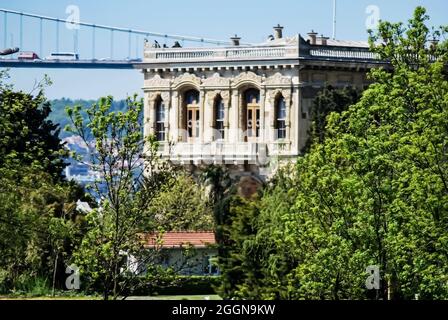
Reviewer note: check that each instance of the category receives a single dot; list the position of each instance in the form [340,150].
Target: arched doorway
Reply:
[193,115]
[251,110]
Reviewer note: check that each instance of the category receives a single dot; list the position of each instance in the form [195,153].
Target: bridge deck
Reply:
[78,64]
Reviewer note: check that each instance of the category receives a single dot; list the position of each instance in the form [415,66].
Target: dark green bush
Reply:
[179,285]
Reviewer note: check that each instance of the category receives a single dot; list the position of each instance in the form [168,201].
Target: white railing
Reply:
[224,152]
[344,54]
[183,54]
[193,151]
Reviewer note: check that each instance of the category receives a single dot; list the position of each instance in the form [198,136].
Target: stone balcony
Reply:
[291,49]
[173,55]
[225,152]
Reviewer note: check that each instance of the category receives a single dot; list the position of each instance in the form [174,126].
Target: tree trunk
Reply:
[55,268]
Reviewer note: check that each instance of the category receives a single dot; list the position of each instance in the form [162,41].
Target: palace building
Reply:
[244,106]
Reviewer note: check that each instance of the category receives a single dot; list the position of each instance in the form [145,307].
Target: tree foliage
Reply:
[27,136]
[327,101]
[182,205]
[39,221]
[132,174]
[373,193]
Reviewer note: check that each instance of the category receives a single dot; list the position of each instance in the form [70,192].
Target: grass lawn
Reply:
[198,297]
[194,297]
[49,298]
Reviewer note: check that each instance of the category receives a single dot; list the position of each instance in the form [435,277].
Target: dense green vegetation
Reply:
[372,191]
[41,229]
[137,198]
[39,223]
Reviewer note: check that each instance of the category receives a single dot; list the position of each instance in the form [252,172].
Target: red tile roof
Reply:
[181,239]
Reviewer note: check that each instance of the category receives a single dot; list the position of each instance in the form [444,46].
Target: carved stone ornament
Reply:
[153,96]
[225,95]
[157,82]
[272,94]
[247,77]
[211,95]
[187,78]
[216,81]
[278,79]
[165,96]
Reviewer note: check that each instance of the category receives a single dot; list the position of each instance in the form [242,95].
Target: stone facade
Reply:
[244,106]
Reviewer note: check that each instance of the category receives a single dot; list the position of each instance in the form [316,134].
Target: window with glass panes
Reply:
[193,114]
[219,118]
[160,120]
[281,118]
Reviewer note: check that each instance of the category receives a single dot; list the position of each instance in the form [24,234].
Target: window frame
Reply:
[160,119]
[280,118]
[219,117]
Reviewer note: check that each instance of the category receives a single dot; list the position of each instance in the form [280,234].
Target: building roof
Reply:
[171,240]
[282,51]
[293,41]
[348,43]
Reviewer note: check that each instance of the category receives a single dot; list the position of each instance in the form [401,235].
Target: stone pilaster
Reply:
[202,115]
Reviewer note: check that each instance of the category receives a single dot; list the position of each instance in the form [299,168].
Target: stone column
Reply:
[271,120]
[175,101]
[166,98]
[201,115]
[152,112]
[225,95]
[288,115]
[209,116]
[147,115]
[298,121]
[234,124]
[263,97]
[241,117]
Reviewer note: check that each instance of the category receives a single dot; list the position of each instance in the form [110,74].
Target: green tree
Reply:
[27,137]
[373,193]
[182,205]
[329,100]
[131,176]
[39,222]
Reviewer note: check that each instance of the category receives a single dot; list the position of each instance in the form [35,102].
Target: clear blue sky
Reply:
[251,19]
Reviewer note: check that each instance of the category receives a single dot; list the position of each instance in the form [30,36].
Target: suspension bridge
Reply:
[45,41]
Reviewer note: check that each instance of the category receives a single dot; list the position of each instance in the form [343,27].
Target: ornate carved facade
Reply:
[247,107]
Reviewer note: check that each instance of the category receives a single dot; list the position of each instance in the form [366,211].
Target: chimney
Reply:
[323,40]
[235,40]
[312,36]
[278,31]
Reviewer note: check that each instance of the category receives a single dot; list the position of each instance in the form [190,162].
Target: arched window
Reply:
[219,118]
[193,114]
[252,96]
[280,118]
[192,97]
[160,120]
[252,106]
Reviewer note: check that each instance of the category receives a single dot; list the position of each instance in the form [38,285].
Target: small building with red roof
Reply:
[187,252]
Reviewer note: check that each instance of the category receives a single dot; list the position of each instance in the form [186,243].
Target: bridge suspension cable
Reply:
[112,29]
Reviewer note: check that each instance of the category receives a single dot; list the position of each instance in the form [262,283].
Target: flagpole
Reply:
[334,19]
